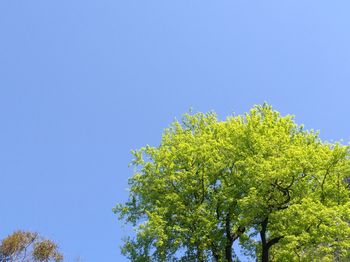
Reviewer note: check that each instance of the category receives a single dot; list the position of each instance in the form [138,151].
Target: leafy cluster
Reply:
[28,246]
[258,179]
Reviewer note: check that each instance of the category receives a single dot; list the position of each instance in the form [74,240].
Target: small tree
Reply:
[257,178]
[28,246]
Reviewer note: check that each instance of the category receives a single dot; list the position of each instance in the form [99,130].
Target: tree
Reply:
[28,246]
[258,178]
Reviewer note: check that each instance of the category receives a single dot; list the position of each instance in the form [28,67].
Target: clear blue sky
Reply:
[84,82]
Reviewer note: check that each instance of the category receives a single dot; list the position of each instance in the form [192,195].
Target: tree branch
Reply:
[235,235]
[274,241]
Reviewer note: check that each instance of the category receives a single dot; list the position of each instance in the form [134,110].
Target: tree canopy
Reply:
[28,246]
[259,180]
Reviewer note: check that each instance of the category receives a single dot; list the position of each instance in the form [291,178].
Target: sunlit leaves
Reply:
[211,182]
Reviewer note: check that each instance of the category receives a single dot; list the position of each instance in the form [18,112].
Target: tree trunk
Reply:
[265,254]
[265,248]
[229,240]
[200,255]
[228,252]
[266,244]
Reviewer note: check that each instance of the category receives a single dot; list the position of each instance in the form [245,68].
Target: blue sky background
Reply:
[84,82]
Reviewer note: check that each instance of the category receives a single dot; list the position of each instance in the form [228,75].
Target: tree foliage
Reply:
[258,179]
[28,246]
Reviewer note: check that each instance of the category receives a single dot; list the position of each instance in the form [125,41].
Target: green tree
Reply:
[258,178]
[28,246]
